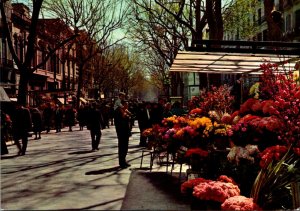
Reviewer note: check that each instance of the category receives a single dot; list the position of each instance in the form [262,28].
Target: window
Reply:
[297,20]
[259,37]
[265,35]
[288,23]
[259,16]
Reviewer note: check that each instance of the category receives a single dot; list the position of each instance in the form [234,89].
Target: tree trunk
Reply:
[219,19]
[23,86]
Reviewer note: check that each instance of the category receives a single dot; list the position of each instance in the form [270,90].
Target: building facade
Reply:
[54,78]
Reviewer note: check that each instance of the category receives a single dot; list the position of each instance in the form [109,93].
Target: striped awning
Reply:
[229,63]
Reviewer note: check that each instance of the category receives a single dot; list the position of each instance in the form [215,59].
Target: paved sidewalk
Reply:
[60,171]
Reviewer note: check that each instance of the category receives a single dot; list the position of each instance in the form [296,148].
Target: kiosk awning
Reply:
[229,63]
[223,56]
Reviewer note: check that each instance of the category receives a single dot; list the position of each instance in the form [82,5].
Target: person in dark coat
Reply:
[37,122]
[81,117]
[157,112]
[47,116]
[58,117]
[144,121]
[122,125]
[94,124]
[70,117]
[22,125]
[5,124]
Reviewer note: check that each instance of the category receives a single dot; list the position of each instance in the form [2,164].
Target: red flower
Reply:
[196,111]
[196,151]
[272,153]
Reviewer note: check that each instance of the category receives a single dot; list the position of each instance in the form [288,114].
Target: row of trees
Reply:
[157,29]
[162,27]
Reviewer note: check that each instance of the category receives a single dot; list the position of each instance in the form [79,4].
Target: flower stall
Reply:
[247,159]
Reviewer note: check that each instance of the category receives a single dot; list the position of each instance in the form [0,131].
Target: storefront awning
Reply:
[3,96]
[221,56]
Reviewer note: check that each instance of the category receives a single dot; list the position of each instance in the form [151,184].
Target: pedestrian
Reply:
[22,125]
[105,114]
[157,112]
[167,110]
[94,124]
[47,116]
[81,117]
[118,102]
[37,122]
[5,124]
[122,125]
[70,117]
[58,117]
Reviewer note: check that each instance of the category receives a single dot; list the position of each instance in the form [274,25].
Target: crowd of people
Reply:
[23,122]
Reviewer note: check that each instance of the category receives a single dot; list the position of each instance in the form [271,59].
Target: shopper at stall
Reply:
[144,121]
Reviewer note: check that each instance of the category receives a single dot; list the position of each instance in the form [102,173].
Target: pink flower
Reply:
[190,184]
[239,203]
[215,191]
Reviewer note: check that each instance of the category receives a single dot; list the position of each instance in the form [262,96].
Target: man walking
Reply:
[94,124]
[22,124]
[122,124]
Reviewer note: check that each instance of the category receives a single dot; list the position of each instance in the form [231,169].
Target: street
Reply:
[60,171]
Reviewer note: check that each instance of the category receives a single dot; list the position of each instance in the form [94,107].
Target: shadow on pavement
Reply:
[158,187]
[8,157]
[81,152]
[102,171]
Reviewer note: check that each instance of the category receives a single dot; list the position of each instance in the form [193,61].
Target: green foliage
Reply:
[238,17]
[271,189]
